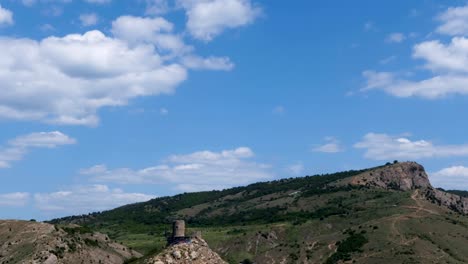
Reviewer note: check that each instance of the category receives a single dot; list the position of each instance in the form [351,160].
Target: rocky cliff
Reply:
[194,252]
[406,176]
[402,176]
[34,243]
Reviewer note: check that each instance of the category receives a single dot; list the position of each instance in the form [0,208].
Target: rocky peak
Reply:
[193,251]
[402,176]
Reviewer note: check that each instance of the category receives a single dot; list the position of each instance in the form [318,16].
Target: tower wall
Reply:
[178,228]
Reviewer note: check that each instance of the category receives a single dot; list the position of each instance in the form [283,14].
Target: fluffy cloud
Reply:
[85,199]
[17,148]
[386,147]
[209,18]
[204,170]
[157,31]
[90,19]
[67,80]
[6,16]
[455,178]
[395,38]
[332,146]
[454,21]
[447,64]
[18,199]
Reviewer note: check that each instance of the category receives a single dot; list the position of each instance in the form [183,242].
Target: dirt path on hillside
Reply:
[416,214]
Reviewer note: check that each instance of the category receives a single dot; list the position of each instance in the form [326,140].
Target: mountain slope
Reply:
[387,214]
[31,242]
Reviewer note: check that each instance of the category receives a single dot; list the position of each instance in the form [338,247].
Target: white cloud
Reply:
[67,80]
[210,63]
[85,199]
[209,18]
[451,58]
[17,199]
[17,148]
[395,38]
[386,147]
[438,86]
[204,170]
[448,64]
[90,19]
[157,7]
[455,178]
[296,168]
[157,31]
[6,16]
[454,21]
[30,3]
[332,146]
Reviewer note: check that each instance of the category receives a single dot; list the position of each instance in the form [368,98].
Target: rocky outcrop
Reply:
[29,242]
[449,200]
[407,176]
[196,251]
[402,176]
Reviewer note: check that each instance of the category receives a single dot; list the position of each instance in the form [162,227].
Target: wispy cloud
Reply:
[203,170]
[332,145]
[387,147]
[17,148]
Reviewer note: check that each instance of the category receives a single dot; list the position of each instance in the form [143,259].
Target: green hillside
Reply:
[299,220]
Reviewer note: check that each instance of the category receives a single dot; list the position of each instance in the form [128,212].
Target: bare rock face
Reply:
[194,252]
[402,176]
[407,176]
[449,200]
[36,243]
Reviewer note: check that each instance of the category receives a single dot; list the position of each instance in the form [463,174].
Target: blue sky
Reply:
[104,103]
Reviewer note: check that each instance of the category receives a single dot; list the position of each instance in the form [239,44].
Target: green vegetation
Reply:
[294,220]
[352,244]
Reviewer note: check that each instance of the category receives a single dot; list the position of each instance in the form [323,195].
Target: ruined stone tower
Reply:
[178,229]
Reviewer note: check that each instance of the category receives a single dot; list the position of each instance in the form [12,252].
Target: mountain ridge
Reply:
[391,212]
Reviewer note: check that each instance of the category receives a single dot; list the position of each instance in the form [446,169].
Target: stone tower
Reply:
[178,229]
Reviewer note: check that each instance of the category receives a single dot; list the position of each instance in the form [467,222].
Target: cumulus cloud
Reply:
[157,31]
[6,16]
[67,80]
[204,170]
[17,148]
[395,38]
[455,178]
[17,199]
[85,199]
[209,18]
[454,21]
[90,19]
[332,146]
[387,147]
[446,62]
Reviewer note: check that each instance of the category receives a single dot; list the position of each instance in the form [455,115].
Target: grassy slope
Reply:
[265,223]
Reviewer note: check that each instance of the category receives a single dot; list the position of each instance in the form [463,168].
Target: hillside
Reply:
[31,242]
[387,214]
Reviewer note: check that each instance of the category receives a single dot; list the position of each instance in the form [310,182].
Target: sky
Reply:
[106,102]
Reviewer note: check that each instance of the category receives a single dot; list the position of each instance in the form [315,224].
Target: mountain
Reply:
[31,242]
[386,214]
